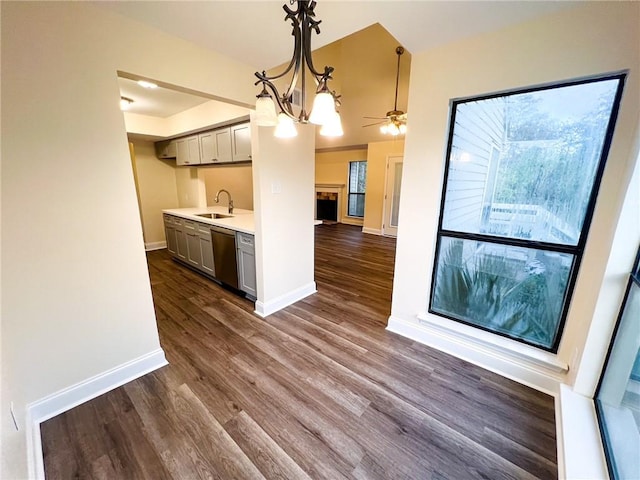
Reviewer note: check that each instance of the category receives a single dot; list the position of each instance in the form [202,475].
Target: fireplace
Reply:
[328,202]
[327,206]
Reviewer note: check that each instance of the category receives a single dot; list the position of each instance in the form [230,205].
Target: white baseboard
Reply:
[265,309]
[67,398]
[351,221]
[155,246]
[372,231]
[535,369]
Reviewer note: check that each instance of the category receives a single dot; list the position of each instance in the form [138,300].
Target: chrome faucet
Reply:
[217,199]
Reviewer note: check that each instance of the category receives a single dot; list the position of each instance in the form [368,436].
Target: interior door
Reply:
[392,196]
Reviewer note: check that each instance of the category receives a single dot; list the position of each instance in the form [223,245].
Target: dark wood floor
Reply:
[319,390]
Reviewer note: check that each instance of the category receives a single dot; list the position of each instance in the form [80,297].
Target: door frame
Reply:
[386,229]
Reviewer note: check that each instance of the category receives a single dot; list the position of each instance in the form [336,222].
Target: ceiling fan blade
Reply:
[372,124]
[376,118]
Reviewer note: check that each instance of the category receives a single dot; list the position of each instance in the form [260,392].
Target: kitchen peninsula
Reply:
[218,244]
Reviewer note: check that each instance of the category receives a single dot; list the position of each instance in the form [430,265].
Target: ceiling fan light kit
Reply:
[324,110]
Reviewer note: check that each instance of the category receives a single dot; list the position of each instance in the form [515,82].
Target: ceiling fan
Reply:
[395,121]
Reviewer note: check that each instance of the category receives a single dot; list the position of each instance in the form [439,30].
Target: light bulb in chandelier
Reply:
[285,127]
[333,128]
[324,108]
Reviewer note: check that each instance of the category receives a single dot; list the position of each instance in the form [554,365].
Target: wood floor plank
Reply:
[318,390]
[265,453]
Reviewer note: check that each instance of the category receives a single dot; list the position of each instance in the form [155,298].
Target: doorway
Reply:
[392,196]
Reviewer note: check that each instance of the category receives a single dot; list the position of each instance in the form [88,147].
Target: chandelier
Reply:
[324,111]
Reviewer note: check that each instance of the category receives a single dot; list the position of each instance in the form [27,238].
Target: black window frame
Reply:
[634,280]
[577,250]
[350,193]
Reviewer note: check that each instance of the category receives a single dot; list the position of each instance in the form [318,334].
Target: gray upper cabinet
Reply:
[207,148]
[166,149]
[188,151]
[241,142]
[222,145]
[215,146]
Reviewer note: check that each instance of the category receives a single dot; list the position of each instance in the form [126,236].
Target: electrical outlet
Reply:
[13,416]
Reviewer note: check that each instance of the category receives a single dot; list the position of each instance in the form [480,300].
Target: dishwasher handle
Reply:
[224,231]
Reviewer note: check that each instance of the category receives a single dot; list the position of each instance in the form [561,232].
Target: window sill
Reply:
[519,351]
[580,451]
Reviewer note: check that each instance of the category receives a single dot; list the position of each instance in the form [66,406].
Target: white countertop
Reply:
[241,221]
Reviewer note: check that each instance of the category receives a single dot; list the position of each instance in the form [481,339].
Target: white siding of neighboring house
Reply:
[478,136]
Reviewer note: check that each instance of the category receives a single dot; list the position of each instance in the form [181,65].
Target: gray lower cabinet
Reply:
[245,245]
[176,240]
[171,236]
[194,254]
[204,236]
[190,242]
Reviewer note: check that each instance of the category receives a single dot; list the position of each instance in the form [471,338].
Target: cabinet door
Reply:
[193,244]
[208,148]
[194,255]
[247,272]
[246,263]
[194,150]
[223,144]
[181,244]
[166,149]
[182,152]
[172,240]
[207,254]
[188,151]
[241,142]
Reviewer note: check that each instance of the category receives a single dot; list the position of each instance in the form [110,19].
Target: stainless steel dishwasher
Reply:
[224,255]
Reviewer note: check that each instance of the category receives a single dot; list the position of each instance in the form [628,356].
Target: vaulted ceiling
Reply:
[358,38]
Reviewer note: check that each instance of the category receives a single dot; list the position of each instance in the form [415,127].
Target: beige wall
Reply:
[588,40]
[283,171]
[376,179]
[76,299]
[156,183]
[333,167]
[237,179]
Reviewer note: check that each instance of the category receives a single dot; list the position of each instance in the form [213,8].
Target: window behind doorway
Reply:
[357,182]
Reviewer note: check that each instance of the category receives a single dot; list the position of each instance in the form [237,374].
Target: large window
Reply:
[618,394]
[521,178]
[357,181]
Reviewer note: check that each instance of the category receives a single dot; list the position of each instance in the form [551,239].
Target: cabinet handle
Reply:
[249,156]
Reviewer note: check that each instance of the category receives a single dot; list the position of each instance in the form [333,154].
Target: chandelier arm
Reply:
[320,78]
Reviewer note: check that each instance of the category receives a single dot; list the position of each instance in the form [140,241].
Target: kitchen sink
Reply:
[213,215]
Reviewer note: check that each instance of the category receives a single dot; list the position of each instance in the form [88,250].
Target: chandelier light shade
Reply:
[333,128]
[269,101]
[285,127]
[266,115]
